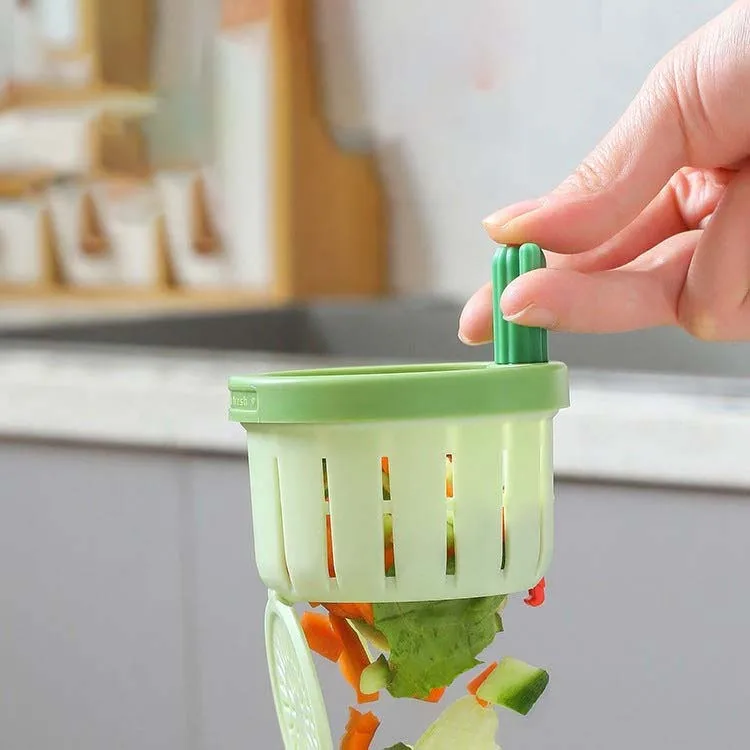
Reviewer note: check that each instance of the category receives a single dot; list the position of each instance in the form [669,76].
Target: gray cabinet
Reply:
[131,617]
[92,633]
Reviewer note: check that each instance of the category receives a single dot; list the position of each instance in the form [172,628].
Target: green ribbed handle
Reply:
[514,344]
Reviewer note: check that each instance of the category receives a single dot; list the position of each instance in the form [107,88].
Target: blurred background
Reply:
[462,107]
[196,188]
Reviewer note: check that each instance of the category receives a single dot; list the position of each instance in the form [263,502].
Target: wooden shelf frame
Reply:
[328,223]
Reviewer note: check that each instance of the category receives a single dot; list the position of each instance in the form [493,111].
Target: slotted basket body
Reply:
[498,515]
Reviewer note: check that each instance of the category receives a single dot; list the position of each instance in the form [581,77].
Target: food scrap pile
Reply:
[423,648]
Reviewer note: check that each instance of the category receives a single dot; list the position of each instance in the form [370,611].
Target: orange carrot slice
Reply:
[352,611]
[360,730]
[367,613]
[349,611]
[389,559]
[329,549]
[473,687]
[320,635]
[435,695]
[353,660]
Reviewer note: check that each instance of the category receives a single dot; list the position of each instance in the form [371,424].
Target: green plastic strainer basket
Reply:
[316,443]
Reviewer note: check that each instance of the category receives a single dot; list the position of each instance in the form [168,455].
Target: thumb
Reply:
[689,112]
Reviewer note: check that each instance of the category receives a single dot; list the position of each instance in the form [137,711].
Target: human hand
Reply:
[653,228]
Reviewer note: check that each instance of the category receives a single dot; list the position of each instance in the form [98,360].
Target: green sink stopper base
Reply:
[515,344]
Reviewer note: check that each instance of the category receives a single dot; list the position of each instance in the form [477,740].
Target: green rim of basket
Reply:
[521,380]
[399,392]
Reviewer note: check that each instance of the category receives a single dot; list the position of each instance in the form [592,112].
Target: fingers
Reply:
[715,301]
[643,294]
[475,324]
[691,111]
[684,204]
[698,279]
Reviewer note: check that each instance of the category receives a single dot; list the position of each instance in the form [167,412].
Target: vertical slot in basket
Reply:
[330,559]
[389,553]
[450,533]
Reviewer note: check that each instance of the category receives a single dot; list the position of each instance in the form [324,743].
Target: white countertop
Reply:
[670,430]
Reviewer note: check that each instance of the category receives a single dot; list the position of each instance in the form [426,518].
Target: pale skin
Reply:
[653,228]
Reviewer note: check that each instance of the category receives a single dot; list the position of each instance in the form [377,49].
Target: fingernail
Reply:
[505,215]
[464,339]
[533,316]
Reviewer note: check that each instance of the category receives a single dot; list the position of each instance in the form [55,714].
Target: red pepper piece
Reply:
[536,595]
